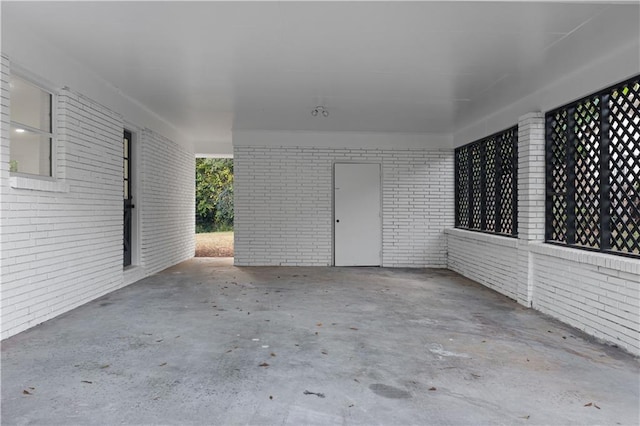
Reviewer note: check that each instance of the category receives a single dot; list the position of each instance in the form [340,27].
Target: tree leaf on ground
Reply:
[87,381]
[264,364]
[26,392]
[432,388]
[162,365]
[353,328]
[105,366]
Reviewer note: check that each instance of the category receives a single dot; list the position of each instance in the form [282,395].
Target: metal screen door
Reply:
[128,198]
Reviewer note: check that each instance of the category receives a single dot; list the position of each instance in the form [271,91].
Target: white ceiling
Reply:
[212,67]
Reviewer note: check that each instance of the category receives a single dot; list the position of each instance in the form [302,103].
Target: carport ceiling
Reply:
[210,67]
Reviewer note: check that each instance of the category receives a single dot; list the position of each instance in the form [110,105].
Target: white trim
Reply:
[45,86]
[604,260]
[499,240]
[38,184]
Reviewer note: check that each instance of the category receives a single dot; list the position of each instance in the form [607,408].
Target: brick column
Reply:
[531,191]
[4,155]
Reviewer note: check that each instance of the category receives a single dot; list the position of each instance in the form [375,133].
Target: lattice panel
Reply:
[507,144]
[557,176]
[624,166]
[476,186]
[587,172]
[462,191]
[490,185]
[486,172]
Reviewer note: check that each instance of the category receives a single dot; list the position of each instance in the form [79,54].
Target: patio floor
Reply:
[208,343]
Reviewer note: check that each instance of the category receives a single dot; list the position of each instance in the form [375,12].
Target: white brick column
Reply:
[4,153]
[531,192]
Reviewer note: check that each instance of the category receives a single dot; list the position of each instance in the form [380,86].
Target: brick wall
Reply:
[4,157]
[61,239]
[284,204]
[594,292]
[167,202]
[597,293]
[488,259]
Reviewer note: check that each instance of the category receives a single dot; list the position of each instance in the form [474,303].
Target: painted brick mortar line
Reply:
[293,225]
[593,292]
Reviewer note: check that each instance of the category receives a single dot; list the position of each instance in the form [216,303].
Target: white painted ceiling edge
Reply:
[555,79]
[566,75]
[350,140]
[51,67]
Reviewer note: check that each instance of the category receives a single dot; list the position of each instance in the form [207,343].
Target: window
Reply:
[31,128]
[486,184]
[593,171]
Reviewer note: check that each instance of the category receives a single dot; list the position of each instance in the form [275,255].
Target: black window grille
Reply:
[593,171]
[486,184]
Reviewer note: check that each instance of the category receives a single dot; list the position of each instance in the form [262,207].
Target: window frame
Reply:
[53,145]
[604,157]
[498,173]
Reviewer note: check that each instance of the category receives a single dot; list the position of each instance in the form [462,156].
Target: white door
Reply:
[358,218]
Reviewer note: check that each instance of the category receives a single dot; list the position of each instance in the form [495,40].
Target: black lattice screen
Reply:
[476,187]
[624,166]
[508,160]
[587,170]
[557,176]
[486,174]
[593,171]
[462,187]
[490,185]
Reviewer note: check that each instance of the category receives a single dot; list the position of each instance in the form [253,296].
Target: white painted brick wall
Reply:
[62,244]
[597,293]
[166,202]
[594,292]
[488,259]
[531,198]
[284,207]
[4,157]
[61,241]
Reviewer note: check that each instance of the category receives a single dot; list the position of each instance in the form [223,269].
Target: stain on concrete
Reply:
[389,391]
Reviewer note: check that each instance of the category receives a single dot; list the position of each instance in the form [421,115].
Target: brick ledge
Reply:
[499,240]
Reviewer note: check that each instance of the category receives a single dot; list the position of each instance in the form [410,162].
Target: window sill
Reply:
[35,184]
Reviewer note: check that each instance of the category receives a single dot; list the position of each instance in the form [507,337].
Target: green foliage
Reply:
[214,194]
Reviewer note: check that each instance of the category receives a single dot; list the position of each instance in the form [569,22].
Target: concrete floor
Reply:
[208,343]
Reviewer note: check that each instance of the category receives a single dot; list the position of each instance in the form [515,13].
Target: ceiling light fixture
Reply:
[20,130]
[320,111]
